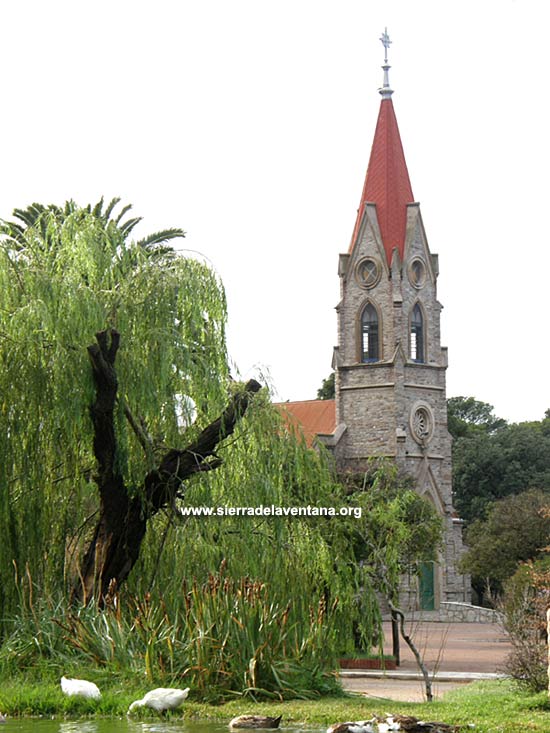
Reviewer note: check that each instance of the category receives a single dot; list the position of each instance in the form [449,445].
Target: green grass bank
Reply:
[493,707]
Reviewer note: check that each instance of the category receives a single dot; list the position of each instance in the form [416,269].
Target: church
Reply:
[390,393]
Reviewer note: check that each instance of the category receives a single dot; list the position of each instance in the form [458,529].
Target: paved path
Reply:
[457,653]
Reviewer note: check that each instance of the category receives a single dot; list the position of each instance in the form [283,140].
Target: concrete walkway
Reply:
[455,655]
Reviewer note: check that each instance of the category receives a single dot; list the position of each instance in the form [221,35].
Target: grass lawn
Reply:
[493,707]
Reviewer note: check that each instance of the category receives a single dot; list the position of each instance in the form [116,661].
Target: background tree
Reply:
[327,391]
[488,466]
[398,531]
[466,416]
[517,529]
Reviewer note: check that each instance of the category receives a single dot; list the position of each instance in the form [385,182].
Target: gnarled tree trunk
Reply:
[120,529]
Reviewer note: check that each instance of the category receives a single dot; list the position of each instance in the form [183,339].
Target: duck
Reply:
[161,699]
[255,721]
[391,723]
[410,724]
[81,688]
[358,726]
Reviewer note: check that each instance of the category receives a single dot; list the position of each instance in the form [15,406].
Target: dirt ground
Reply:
[457,653]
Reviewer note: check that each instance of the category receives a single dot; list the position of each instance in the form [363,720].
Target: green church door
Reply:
[427,586]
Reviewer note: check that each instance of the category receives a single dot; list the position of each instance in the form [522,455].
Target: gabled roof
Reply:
[310,417]
[387,183]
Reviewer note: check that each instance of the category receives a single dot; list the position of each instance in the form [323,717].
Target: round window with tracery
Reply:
[417,272]
[421,423]
[368,273]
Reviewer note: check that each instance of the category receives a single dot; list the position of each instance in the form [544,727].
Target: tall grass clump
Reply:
[228,637]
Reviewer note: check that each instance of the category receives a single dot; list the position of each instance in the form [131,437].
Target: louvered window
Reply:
[417,334]
[369,334]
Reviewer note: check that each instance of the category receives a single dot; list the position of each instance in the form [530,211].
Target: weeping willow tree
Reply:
[106,345]
[116,406]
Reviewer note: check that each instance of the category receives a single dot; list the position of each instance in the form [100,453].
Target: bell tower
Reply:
[390,365]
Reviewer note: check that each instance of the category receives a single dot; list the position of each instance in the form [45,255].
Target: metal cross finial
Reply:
[386,91]
[386,43]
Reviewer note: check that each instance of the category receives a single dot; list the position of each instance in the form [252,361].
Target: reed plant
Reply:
[227,638]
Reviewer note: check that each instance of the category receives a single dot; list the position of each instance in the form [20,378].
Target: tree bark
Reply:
[121,527]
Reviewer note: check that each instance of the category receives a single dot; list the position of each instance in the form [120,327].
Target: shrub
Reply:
[524,604]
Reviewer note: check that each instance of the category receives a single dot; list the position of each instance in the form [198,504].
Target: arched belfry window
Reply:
[417,334]
[370,350]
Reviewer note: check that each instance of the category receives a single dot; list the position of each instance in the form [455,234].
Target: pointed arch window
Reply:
[370,350]
[417,334]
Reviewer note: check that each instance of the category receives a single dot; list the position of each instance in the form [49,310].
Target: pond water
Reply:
[118,725]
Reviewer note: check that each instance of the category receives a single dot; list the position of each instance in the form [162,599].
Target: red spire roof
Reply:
[387,183]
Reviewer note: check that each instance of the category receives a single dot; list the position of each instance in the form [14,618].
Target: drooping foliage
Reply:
[65,274]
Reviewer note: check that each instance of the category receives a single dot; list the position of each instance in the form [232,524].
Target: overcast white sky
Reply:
[249,124]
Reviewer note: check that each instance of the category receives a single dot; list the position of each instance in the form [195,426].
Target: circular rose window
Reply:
[368,272]
[421,423]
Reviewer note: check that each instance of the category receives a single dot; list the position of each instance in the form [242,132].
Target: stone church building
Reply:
[389,363]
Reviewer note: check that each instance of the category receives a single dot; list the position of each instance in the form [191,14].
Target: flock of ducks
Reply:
[169,698]
[390,723]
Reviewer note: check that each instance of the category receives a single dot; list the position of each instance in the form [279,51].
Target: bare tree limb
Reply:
[141,434]
[427,681]
[162,484]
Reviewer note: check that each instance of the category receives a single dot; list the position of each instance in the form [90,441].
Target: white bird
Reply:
[161,699]
[81,688]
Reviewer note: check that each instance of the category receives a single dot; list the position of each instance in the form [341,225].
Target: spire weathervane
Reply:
[386,90]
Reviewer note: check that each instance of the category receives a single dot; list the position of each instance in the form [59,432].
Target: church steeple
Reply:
[387,182]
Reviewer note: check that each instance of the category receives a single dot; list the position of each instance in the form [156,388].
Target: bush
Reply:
[524,604]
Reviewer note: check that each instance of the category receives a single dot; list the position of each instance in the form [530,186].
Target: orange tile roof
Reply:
[387,183]
[311,417]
